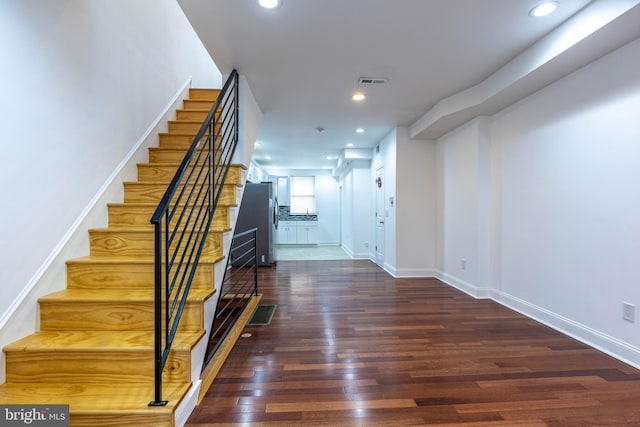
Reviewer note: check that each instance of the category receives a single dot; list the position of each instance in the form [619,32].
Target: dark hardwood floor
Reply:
[351,346]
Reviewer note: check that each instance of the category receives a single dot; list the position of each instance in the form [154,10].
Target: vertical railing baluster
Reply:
[157,227]
[255,265]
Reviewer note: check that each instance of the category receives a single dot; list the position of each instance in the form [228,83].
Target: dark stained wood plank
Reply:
[349,345]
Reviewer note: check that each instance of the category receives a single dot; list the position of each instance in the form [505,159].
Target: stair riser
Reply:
[123,418]
[141,244]
[163,155]
[112,316]
[197,104]
[189,127]
[123,215]
[199,115]
[127,276]
[90,365]
[176,141]
[164,173]
[184,127]
[206,94]
[147,192]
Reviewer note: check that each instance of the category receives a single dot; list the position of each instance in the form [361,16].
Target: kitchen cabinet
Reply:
[307,232]
[287,232]
[298,232]
[282,186]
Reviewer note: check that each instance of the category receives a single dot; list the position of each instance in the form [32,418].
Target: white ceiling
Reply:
[445,61]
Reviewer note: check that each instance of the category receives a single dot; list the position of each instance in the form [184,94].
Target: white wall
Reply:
[415,206]
[346,213]
[465,207]
[84,82]
[570,209]
[357,216]
[543,203]
[249,120]
[410,204]
[328,207]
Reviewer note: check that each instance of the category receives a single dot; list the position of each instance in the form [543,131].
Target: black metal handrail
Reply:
[183,218]
[240,283]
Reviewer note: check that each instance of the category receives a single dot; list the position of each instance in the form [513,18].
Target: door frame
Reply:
[379,248]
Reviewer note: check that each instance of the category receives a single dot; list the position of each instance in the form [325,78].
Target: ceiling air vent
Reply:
[372,80]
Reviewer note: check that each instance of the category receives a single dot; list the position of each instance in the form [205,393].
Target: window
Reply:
[303,195]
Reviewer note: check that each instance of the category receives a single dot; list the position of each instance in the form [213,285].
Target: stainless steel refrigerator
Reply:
[259,208]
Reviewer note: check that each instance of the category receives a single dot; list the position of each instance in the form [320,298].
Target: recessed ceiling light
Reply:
[544,9]
[349,145]
[358,96]
[328,157]
[360,130]
[257,144]
[267,157]
[269,4]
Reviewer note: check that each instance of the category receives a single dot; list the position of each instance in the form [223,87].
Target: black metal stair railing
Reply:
[183,218]
[239,285]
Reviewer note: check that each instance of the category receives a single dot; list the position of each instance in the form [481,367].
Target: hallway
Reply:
[349,345]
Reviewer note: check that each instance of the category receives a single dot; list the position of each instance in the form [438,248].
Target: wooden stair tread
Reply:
[164,184]
[128,295]
[177,133]
[97,341]
[178,164]
[171,164]
[203,92]
[151,204]
[194,122]
[90,398]
[106,259]
[196,110]
[144,229]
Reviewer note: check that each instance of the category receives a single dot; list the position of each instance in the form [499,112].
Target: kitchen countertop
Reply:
[297,217]
[285,215]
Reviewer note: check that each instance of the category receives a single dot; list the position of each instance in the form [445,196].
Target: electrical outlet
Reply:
[628,312]
[366,244]
[463,264]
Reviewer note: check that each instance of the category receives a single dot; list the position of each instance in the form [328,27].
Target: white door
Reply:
[379,248]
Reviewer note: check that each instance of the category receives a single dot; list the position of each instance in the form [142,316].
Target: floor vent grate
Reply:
[262,315]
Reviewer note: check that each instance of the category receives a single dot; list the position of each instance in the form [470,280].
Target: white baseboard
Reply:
[464,286]
[356,255]
[415,272]
[607,344]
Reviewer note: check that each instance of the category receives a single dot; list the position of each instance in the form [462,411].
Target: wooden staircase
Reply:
[94,350]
